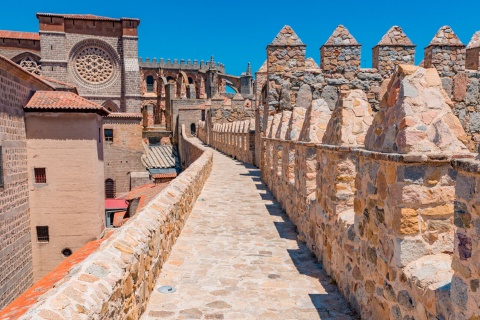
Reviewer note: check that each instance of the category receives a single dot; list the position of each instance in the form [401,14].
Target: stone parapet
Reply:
[381,217]
[115,281]
[465,286]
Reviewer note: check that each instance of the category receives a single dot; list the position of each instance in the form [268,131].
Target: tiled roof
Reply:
[27,299]
[146,193]
[62,100]
[125,115]
[164,175]
[165,156]
[82,17]
[19,35]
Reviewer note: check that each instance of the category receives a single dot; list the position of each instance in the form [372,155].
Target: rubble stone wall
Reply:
[115,281]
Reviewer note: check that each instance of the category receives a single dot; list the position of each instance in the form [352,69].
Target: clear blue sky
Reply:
[237,32]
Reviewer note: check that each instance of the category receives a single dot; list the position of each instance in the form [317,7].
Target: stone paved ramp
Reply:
[238,258]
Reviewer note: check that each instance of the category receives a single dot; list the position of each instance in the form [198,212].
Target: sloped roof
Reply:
[125,115]
[475,41]
[395,37]
[164,175]
[165,156]
[446,37]
[148,191]
[341,37]
[59,85]
[19,35]
[62,100]
[287,37]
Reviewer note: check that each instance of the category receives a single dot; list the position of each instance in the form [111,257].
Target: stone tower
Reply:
[446,53]
[285,67]
[340,55]
[98,55]
[394,48]
[473,53]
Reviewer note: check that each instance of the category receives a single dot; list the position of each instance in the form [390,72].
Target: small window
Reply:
[150,84]
[42,234]
[193,129]
[40,175]
[109,189]
[1,167]
[108,133]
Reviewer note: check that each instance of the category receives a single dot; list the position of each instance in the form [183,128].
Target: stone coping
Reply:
[394,157]
[466,165]
[101,285]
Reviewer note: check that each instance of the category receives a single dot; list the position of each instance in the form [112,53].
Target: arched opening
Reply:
[110,189]
[229,89]
[190,80]
[170,79]
[193,129]
[150,82]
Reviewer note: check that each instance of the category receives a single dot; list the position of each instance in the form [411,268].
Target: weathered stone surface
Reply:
[350,120]
[431,128]
[316,119]
[330,95]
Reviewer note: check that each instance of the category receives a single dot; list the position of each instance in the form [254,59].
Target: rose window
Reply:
[30,65]
[94,65]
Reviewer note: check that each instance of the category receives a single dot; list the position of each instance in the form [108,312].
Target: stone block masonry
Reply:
[115,282]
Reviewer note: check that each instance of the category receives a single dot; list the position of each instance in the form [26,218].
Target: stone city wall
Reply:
[287,69]
[236,139]
[115,281]
[375,196]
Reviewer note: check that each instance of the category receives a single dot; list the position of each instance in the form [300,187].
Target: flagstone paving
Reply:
[238,258]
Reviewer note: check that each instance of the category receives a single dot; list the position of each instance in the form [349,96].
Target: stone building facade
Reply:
[16,269]
[123,149]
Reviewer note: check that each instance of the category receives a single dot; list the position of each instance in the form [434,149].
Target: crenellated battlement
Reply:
[287,68]
[182,64]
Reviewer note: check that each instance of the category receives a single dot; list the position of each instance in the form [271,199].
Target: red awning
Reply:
[115,204]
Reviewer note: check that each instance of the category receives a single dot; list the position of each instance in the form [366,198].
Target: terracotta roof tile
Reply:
[125,115]
[27,299]
[164,175]
[62,100]
[146,193]
[19,35]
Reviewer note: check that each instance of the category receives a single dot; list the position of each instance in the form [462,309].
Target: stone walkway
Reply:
[238,258]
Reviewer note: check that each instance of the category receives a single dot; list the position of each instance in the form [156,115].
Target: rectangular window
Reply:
[108,133]
[40,175]
[42,234]
[1,167]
